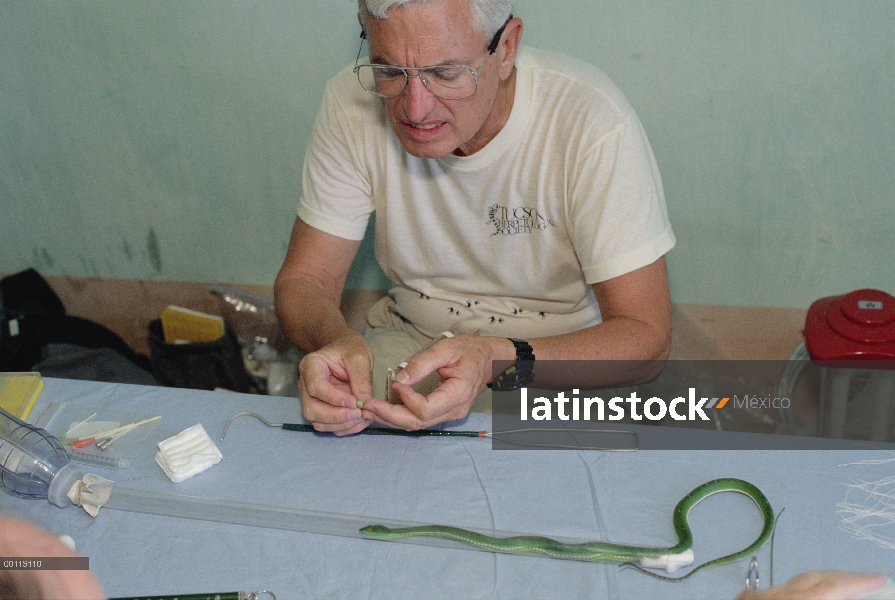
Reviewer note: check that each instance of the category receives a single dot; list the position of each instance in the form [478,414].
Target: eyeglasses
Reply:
[448,82]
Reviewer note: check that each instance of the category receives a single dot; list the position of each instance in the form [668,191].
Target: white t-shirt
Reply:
[506,241]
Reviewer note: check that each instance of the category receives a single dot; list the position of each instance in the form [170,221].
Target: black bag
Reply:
[32,316]
[27,290]
[26,299]
[199,365]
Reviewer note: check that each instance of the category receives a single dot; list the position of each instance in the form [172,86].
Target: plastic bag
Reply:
[268,354]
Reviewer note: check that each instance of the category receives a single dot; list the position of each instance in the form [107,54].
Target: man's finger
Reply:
[441,401]
[421,365]
[320,412]
[393,415]
[360,377]
[402,417]
[344,428]
[316,410]
[317,380]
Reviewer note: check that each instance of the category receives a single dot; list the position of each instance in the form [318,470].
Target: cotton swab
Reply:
[124,428]
[76,426]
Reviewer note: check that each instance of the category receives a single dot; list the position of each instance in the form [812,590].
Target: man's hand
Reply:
[333,380]
[464,364]
[21,540]
[821,585]
[335,374]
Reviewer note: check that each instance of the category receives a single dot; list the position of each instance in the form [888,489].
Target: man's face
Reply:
[423,34]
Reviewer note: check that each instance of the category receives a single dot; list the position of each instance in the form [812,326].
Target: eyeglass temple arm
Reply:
[492,47]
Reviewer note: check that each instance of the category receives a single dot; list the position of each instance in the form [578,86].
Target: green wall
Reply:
[159,139]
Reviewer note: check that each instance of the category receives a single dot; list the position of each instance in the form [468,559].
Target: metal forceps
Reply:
[752,575]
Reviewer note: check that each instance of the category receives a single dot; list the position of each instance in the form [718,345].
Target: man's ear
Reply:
[509,46]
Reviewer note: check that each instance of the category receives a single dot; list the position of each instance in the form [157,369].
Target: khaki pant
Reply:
[394,340]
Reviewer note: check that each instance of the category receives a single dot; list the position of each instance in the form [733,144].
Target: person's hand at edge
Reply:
[820,585]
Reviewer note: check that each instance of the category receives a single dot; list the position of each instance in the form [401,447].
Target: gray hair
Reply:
[488,15]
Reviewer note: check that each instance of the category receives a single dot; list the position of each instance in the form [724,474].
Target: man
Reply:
[516,197]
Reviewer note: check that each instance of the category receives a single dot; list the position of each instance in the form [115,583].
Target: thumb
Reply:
[421,365]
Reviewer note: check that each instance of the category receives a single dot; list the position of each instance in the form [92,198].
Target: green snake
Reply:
[604,551]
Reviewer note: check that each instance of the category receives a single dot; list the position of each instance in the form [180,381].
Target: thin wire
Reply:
[633,448]
[878,461]
[776,523]
[248,414]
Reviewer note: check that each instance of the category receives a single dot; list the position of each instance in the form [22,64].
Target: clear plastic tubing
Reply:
[277,517]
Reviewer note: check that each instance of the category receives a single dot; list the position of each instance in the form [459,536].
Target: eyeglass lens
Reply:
[449,82]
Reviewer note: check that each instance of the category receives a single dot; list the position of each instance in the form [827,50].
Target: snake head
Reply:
[375,530]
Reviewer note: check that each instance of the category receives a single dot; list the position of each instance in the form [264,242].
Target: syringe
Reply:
[99,459]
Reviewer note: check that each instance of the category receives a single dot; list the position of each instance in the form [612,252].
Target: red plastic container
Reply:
[856,326]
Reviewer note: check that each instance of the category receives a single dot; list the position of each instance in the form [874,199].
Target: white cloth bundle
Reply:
[188,453]
[90,492]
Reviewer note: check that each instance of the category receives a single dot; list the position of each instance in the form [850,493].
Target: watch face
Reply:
[515,377]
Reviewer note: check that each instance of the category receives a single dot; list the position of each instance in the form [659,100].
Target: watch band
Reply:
[521,373]
[524,351]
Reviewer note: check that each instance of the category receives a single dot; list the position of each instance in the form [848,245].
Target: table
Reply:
[620,497]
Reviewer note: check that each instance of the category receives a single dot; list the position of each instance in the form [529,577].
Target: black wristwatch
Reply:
[520,374]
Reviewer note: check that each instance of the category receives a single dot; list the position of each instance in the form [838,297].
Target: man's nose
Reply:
[419,101]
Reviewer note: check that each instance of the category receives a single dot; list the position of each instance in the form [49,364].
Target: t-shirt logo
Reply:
[513,221]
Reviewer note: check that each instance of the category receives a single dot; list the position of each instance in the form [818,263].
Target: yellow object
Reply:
[182,325]
[19,392]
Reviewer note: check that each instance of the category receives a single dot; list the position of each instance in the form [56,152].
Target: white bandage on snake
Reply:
[188,453]
[669,562]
